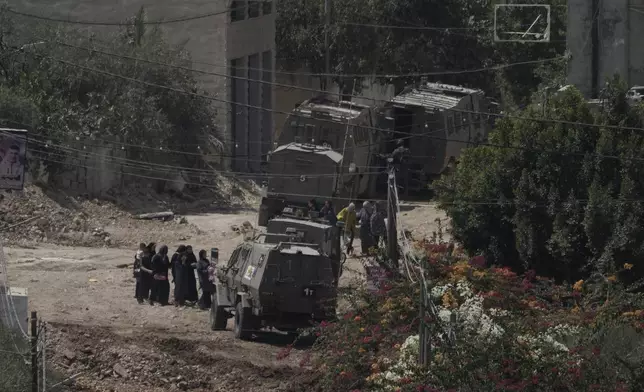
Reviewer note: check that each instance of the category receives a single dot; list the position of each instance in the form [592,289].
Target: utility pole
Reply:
[327,59]
[34,352]
[392,238]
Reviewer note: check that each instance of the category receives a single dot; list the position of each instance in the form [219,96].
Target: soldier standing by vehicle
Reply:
[327,212]
[399,157]
[378,227]
[206,285]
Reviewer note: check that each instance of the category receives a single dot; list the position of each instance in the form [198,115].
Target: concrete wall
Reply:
[620,30]
[579,43]
[92,169]
[251,56]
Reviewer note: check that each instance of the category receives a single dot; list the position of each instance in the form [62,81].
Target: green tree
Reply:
[64,101]
[440,36]
[561,196]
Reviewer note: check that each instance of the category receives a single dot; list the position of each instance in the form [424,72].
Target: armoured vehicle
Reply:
[274,281]
[311,231]
[305,170]
[344,127]
[433,121]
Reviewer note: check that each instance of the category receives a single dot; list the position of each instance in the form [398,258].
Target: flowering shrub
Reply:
[513,333]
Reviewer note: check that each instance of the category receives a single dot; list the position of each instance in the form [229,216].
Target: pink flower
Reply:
[478,262]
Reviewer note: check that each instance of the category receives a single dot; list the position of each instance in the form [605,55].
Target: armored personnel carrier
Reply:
[274,281]
[311,231]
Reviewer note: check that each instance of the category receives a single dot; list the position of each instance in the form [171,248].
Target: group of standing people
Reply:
[370,218]
[152,269]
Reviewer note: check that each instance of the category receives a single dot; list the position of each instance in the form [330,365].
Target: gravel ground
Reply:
[98,331]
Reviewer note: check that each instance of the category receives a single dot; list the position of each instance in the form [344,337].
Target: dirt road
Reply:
[99,331]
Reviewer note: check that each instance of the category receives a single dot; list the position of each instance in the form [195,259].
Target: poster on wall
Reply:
[13,158]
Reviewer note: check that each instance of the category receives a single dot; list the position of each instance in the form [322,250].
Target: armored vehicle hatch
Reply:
[284,285]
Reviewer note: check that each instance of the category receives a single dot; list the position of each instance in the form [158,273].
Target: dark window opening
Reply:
[267,7]
[302,163]
[237,10]
[253,8]
[310,133]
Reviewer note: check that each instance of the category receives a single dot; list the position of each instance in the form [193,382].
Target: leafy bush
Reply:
[14,371]
[513,332]
[560,195]
[63,102]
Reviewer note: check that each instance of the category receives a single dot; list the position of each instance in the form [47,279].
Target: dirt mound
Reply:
[38,215]
[146,361]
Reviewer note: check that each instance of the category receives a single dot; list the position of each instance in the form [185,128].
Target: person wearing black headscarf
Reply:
[160,285]
[147,272]
[207,288]
[185,288]
[175,265]
[139,293]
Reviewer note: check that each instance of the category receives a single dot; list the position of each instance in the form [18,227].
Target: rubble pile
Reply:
[35,215]
[154,363]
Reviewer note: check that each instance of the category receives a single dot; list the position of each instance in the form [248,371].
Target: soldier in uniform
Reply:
[399,157]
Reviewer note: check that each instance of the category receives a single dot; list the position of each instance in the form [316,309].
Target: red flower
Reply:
[477,262]
[366,340]
[596,351]
[529,275]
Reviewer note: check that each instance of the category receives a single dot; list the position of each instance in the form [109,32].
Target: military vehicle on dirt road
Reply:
[277,280]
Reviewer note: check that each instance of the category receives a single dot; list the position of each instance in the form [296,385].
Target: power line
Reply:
[425,135]
[392,76]
[203,172]
[483,202]
[157,22]
[394,27]
[375,128]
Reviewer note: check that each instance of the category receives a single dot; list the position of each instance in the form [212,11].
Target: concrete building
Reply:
[603,38]
[235,39]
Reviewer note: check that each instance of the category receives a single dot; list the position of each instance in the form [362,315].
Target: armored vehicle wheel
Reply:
[242,322]
[218,316]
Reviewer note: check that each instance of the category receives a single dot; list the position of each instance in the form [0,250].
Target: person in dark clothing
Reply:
[366,237]
[152,248]
[328,212]
[160,284]
[146,273]
[138,291]
[175,260]
[207,288]
[378,227]
[175,265]
[185,282]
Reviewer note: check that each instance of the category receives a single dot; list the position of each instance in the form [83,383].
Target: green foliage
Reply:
[385,50]
[63,101]
[558,197]
[14,371]
[512,332]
